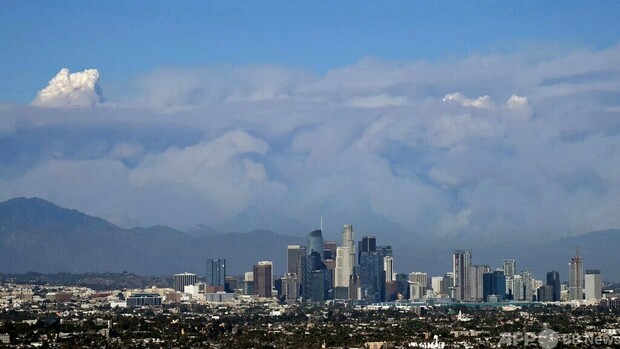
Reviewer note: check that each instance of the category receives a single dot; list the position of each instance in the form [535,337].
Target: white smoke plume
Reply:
[482,102]
[67,90]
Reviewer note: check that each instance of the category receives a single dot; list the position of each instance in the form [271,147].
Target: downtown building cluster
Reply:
[478,283]
[323,271]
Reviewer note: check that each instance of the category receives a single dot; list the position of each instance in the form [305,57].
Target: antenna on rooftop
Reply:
[321,224]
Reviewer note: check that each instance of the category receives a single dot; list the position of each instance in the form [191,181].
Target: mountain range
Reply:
[37,235]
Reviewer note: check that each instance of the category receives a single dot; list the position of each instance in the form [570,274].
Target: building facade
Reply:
[461,267]
[315,242]
[575,280]
[553,280]
[182,280]
[216,272]
[263,279]
[594,284]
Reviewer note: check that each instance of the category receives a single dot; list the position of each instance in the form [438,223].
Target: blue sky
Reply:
[127,38]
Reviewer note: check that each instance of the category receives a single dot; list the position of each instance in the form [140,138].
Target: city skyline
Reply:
[319,277]
[309,174]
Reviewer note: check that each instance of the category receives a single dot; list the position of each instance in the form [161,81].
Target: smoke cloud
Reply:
[70,90]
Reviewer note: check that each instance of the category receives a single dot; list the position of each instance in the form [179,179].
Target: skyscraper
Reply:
[437,284]
[553,280]
[448,285]
[510,266]
[528,291]
[418,282]
[344,267]
[372,276]
[476,281]
[575,283]
[367,244]
[182,280]
[315,242]
[419,277]
[385,250]
[594,287]
[294,254]
[216,272]
[388,268]
[461,265]
[329,249]
[517,288]
[290,287]
[494,284]
[263,278]
[348,240]
[313,284]
[248,283]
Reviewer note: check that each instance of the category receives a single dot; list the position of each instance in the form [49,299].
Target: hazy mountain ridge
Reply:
[37,235]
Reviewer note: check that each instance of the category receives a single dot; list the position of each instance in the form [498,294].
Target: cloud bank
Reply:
[70,90]
[490,146]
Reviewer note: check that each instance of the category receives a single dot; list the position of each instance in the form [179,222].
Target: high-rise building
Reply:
[231,283]
[355,287]
[182,280]
[319,286]
[461,263]
[416,290]
[248,283]
[216,272]
[476,281]
[528,288]
[594,284]
[575,283]
[553,280]
[418,282]
[344,266]
[448,284]
[544,293]
[294,255]
[330,265]
[419,277]
[329,249]
[263,279]
[517,288]
[388,268]
[372,276]
[385,250]
[437,285]
[367,244]
[315,242]
[290,287]
[494,284]
[510,267]
[309,290]
[348,240]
